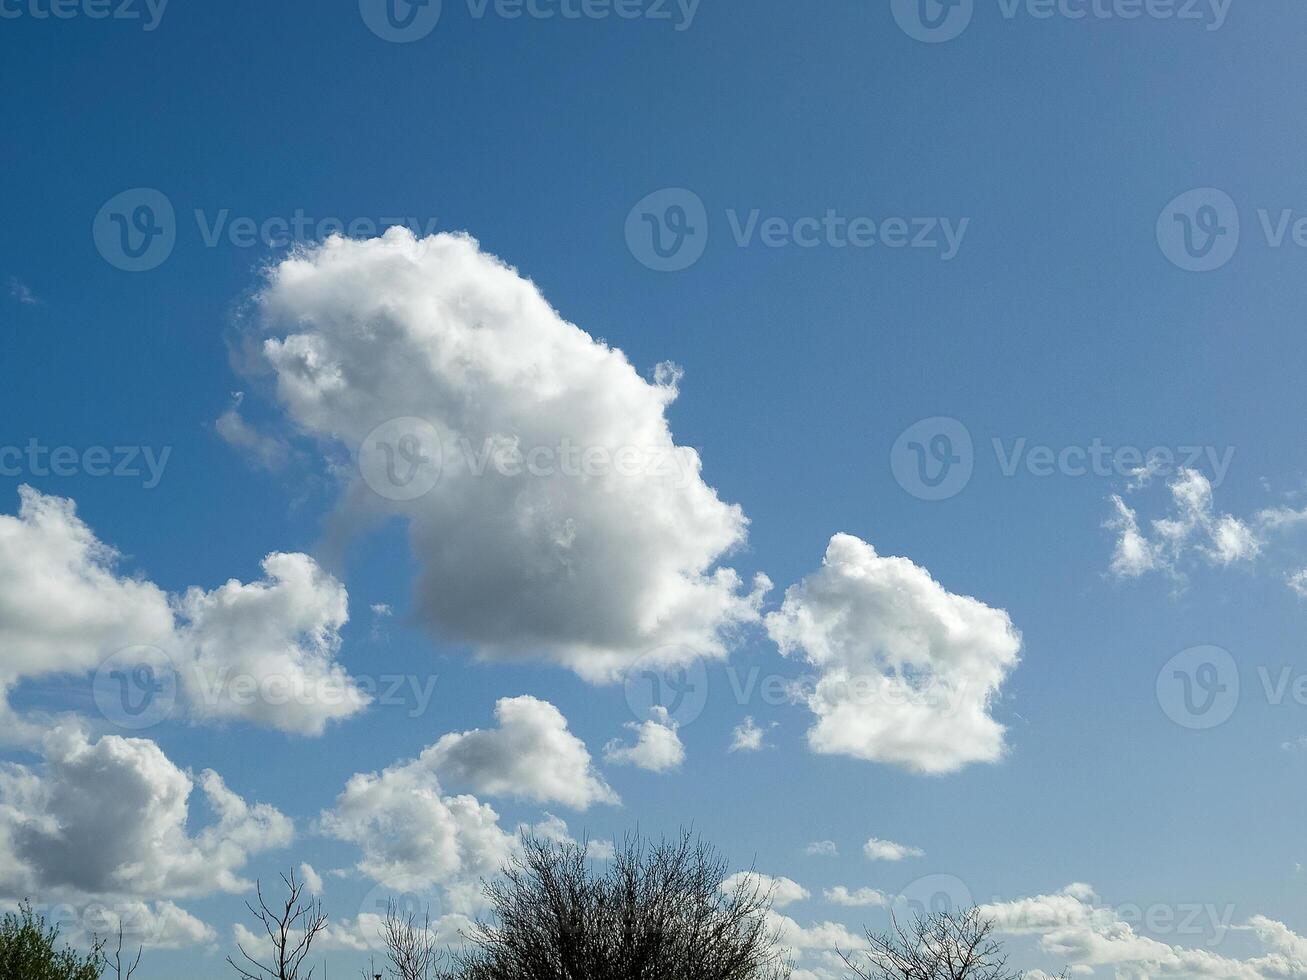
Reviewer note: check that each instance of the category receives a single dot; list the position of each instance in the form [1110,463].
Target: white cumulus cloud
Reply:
[531,755]
[1075,929]
[111,818]
[410,834]
[657,746]
[783,891]
[565,521]
[907,671]
[63,605]
[262,652]
[414,835]
[886,850]
[856,898]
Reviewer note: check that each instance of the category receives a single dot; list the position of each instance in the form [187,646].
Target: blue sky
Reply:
[1064,311]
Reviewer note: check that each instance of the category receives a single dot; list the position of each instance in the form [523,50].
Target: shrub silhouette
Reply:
[659,912]
[950,945]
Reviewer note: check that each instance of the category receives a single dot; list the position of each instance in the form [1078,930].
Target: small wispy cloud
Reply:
[271,452]
[22,292]
[381,612]
[1298,582]
[747,736]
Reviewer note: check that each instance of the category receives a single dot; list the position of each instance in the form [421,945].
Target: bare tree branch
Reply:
[291,928]
[410,943]
[123,971]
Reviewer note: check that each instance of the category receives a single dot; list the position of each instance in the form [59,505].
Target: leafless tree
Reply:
[121,969]
[937,946]
[410,943]
[659,912]
[292,927]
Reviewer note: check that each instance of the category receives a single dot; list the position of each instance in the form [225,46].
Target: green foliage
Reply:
[30,950]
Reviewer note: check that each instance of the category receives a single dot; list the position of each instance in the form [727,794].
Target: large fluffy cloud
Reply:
[111,818]
[262,652]
[531,755]
[565,522]
[906,671]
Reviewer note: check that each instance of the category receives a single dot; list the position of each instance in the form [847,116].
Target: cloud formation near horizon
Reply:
[109,821]
[413,835]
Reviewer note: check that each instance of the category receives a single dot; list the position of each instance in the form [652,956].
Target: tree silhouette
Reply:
[937,946]
[660,912]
